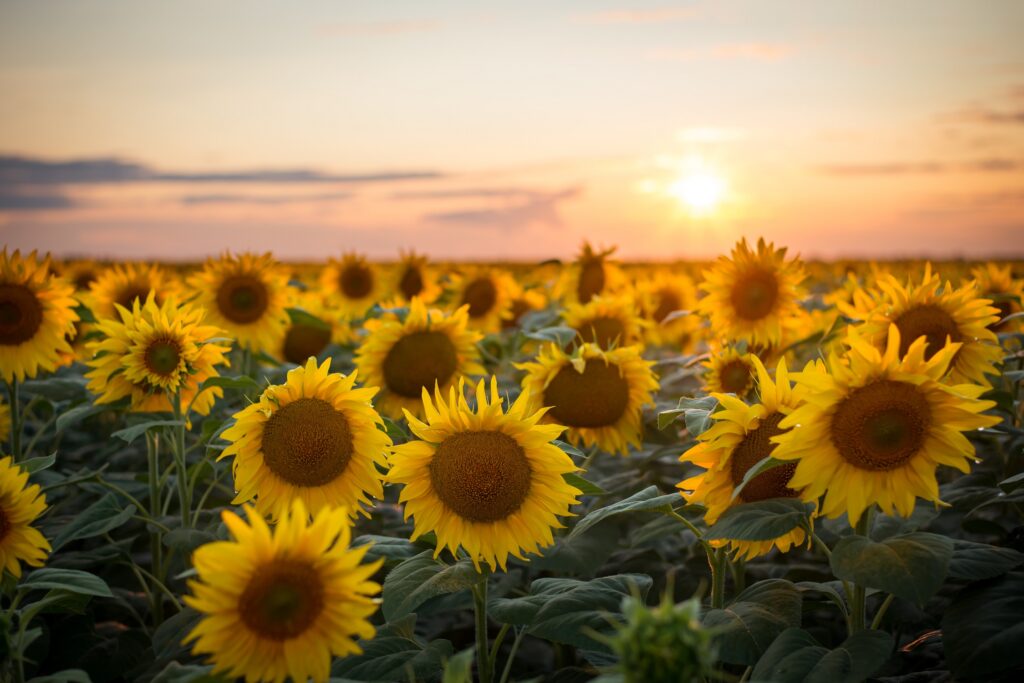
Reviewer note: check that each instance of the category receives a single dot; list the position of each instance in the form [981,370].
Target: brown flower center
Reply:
[84,279]
[597,397]
[928,321]
[5,524]
[303,341]
[242,299]
[21,314]
[411,283]
[592,280]
[481,295]
[735,377]
[881,426]
[356,280]
[482,476]
[754,294]
[754,448]
[282,599]
[520,307]
[668,301]
[132,291]
[163,356]
[307,442]
[418,360]
[603,331]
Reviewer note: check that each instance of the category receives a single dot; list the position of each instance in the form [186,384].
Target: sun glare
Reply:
[701,190]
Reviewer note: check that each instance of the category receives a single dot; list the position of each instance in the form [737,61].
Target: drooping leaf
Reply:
[647,500]
[33,465]
[72,580]
[910,566]
[760,521]
[796,657]
[129,434]
[421,578]
[982,629]
[747,626]
[102,516]
[977,561]
[459,667]
[392,658]
[588,488]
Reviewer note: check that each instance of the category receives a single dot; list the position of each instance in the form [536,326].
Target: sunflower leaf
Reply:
[978,561]
[586,487]
[982,632]
[746,627]
[910,566]
[796,657]
[301,316]
[760,467]
[763,520]
[647,500]
[129,434]
[421,578]
[72,580]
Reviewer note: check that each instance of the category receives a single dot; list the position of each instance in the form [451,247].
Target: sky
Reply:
[468,130]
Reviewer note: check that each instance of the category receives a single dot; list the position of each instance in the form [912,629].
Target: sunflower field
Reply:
[754,469]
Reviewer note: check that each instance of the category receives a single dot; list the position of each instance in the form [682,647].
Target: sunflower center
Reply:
[754,448]
[481,295]
[882,425]
[668,301]
[356,281]
[928,321]
[21,314]
[754,294]
[282,599]
[5,524]
[1005,308]
[307,443]
[735,377]
[482,476]
[242,299]
[603,331]
[591,282]
[84,279]
[304,341]
[127,296]
[417,361]
[411,283]
[163,356]
[596,397]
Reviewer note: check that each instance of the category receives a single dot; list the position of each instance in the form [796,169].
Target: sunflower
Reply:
[739,439]
[153,351]
[488,294]
[20,505]
[246,295]
[411,277]
[750,295]
[488,481]
[122,284]
[282,603]
[525,302]
[81,274]
[665,294]
[37,314]
[403,357]
[729,371]
[591,274]
[5,420]
[996,282]
[873,426]
[315,438]
[315,325]
[353,282]
[938,313]
[606,321]
[598,395]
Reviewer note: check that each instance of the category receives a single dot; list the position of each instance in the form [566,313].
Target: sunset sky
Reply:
[515,130]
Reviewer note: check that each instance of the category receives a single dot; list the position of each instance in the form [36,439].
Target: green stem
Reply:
[35,438]
[859,591]
[178,442]
[585,465]
[739,575]
[496,645]
[696,532]
[483,660]
[718,560]
[880,614]
[12,388]
[520,632]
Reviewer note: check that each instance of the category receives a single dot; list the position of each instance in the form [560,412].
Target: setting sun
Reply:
[701,191]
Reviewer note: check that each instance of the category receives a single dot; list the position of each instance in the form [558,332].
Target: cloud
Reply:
[16,170]
[662,15]
[379,28]
[47,201]
[760,52]
[471,193]
[540,210]
[1008,109]
[922,167]
[262,200]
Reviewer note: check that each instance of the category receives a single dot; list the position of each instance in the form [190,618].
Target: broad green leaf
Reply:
[796,657]
[301,316]
[910,566]
[789,658]
[759,468]
[560,334]
[760,521]
[982,629]
[65,676]
[459,668]
[168,637]
[175,672]
[129,434]
[747,626]
[33,465]
[57,388]
[421,578]
[244,383]
[581,555]
[587,488]
[100,517]
[977,561]
[885,526]
[71,580]
[1011,483]
[70,418]
[388,547]
[647,500]
[392,658]
[569,449]
[186,540]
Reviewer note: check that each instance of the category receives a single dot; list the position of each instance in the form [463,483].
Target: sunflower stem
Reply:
[155,542]
[520,632]
[12,388]
[859,601]
[880,614]
[718,560]
[184,495]
[483,663]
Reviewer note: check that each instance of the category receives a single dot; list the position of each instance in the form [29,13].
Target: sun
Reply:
[700,189]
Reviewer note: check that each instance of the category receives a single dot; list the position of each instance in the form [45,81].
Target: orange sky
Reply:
[175,130]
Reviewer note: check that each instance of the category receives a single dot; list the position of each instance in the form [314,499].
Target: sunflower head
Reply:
[663,644]
[592,273]
[662,298]
[873,425]
[730,370]
[997,283]
[20,505]
[281,603]
[122,284]
[527,301]
[246,295]
[403,356]
[314,323]
[487,293]
[606,321]
[353,283]
[37,317]
[487,480]
[598,395]
[412,277]
[750,293]
[154,351]
[315,438]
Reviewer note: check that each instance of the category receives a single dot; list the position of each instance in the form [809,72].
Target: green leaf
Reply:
[559,334]
[186,673]
[982,629]
[168,637]
[789,658]
[100,517]
[186,540]
[392,658]
[795,657]
[65,676]
[760,467]
[129,434]
[977,561]
[301,316]
[57,388]
[33,465]
[885,526]
[581,555]
[696,414]
[388,547]
[1011,483]
[458,669]
[71,580]
[421,578]
[244,383]
[748,625]
[760,521]
[587,488]
[70,418]
[569,449]
[910,566]
[647,500]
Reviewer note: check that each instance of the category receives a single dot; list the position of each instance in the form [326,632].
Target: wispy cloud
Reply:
[12,200]
[1007,109]
[657,15]
[472,193]
[540,210]
[994,165]
[761,52]
[379,28]
[261,200]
